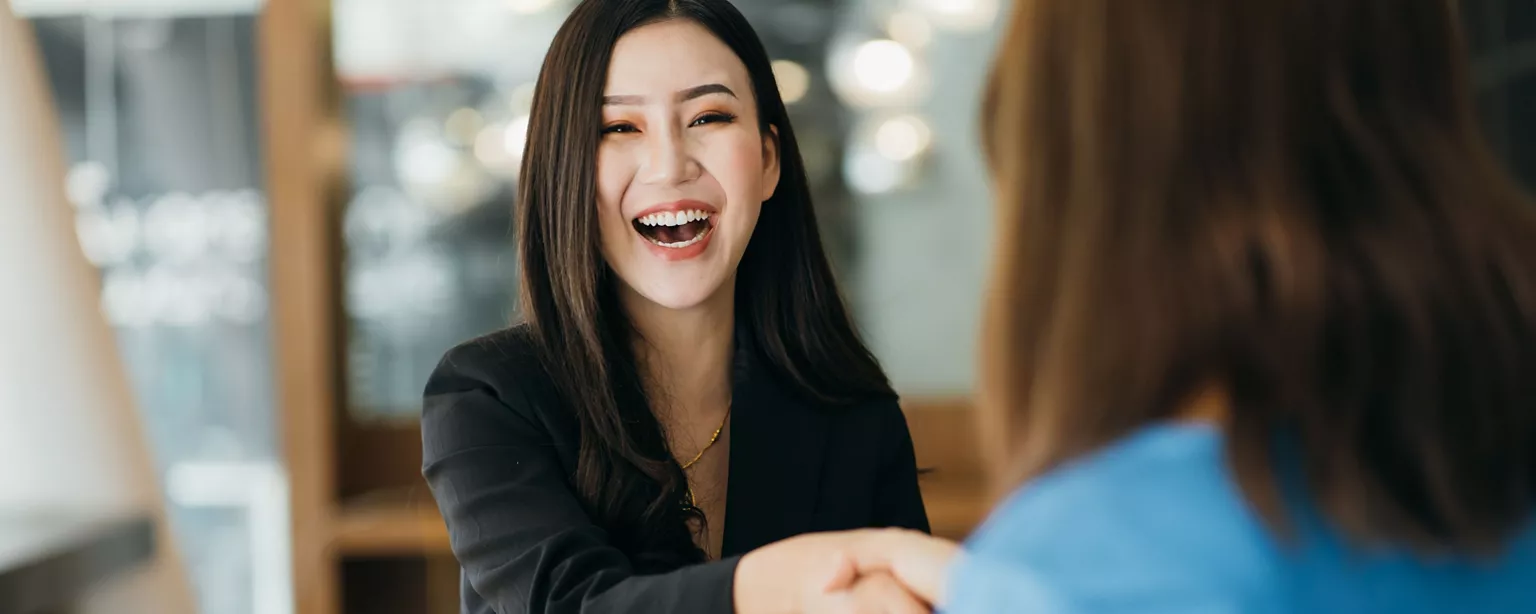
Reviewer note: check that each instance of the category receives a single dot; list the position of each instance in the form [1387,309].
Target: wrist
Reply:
[755,589]
[746,594]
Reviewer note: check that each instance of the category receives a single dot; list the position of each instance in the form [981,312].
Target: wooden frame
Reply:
[304,289]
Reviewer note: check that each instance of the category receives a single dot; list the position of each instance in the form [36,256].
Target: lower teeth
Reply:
[681,244]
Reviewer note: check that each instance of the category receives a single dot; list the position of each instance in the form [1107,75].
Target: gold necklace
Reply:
[712,439]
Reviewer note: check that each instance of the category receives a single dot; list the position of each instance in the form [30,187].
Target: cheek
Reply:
[613,177]
[738,166]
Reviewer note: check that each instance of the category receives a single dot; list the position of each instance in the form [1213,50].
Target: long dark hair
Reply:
[1290,200]
[787,301]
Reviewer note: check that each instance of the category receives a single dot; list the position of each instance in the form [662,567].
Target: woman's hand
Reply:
[880,593]
[786,576]
[919,561]
[801,573]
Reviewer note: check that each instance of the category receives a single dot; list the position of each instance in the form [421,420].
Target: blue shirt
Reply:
[1154,524]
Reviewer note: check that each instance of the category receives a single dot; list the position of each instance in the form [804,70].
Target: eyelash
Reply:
[710,118]
[707,118]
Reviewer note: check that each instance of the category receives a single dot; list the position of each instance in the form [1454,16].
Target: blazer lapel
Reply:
[776,451]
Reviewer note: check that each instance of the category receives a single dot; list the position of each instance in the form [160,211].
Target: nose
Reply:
[669,160]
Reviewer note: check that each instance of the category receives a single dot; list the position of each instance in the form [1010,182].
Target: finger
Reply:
[843,573]
[918,561]
[840,602]
[884,594]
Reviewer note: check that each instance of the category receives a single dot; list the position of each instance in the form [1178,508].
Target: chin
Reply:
[680,296]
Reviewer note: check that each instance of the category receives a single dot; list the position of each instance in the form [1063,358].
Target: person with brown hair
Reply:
[1261,328]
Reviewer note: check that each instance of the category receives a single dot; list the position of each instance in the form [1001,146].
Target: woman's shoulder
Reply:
[879,416]
[1160,483]
[503,363]
[867,411]
[1156,506]
[487,392]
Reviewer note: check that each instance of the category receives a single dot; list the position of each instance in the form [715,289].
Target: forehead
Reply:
[669,56]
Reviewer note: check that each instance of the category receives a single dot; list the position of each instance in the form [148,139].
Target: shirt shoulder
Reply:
[1150,524]
[501,362]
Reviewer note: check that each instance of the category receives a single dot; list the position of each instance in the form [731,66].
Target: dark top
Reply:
[48,563]
[499,450]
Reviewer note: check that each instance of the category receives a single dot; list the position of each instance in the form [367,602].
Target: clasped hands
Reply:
[872,571]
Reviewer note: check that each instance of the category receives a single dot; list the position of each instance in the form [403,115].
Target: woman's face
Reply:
[682,170]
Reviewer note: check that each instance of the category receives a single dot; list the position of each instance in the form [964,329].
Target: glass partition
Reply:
[158,111]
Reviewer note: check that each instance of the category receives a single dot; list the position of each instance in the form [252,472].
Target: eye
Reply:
[713,118]
[621,128]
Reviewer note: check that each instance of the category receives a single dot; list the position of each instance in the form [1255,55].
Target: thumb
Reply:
[843,573]
[919,561]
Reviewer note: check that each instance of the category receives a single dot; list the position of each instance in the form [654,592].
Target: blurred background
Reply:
[296,206]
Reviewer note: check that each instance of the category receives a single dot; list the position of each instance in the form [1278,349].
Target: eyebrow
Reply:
[682,96]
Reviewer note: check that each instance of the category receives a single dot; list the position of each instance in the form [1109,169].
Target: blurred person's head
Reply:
[1282,204]
[661,175]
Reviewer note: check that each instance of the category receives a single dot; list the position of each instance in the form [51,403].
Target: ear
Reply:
[770,162]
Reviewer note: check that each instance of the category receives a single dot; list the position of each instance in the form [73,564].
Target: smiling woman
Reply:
[683,347]
[681,162]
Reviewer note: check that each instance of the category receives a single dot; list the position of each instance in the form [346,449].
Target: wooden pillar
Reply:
[294,61]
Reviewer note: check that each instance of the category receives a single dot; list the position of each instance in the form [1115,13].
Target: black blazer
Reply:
[499,451]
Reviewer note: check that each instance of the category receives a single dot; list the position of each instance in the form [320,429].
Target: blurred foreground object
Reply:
[70,440]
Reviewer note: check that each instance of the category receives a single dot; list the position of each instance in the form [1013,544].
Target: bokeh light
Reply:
[794,80]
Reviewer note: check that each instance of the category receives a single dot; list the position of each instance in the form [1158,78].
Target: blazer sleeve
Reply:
[898,500]
[518,530]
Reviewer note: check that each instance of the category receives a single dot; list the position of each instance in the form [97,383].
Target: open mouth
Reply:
[675,229]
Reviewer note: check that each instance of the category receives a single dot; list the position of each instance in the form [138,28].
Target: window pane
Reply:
[159,119]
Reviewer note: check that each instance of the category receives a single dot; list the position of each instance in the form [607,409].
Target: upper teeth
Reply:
[673,218]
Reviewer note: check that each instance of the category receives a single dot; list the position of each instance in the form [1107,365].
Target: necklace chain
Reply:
[712,440]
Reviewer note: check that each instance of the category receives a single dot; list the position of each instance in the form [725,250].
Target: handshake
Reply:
[870,571]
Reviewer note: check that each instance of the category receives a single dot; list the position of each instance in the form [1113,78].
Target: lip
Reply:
[677,254]
[680,205]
